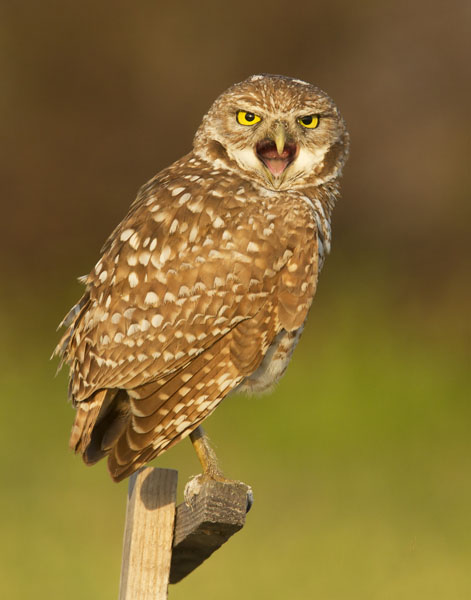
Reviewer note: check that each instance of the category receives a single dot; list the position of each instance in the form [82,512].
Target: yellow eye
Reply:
[247,118]
[309,122]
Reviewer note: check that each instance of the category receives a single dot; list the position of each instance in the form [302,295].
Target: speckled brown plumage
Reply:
[205,285]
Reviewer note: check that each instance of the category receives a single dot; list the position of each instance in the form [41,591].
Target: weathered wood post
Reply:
[148,534]
[164,543]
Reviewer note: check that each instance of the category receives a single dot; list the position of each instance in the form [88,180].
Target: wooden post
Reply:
[163,544]
[148,534]
[215,513]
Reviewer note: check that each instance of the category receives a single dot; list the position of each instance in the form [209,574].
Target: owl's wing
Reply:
[191,290]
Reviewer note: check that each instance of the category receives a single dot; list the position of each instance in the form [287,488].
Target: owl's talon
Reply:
[192,490]
[250,499]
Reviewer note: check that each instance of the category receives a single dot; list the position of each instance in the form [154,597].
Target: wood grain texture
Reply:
[214,514]
[148,535]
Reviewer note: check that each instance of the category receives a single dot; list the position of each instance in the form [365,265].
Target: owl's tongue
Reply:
[275,163]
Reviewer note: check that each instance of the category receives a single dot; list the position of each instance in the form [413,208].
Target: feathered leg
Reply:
[206,454]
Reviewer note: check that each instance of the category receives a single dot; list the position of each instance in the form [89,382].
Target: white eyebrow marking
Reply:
[301,81]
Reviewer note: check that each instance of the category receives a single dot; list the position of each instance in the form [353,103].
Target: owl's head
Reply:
[283,133]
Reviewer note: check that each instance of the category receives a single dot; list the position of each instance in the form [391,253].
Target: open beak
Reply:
[275,151]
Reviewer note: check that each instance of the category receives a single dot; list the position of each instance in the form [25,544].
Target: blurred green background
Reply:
[360,460]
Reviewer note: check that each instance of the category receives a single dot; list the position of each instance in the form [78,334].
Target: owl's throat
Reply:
[276,163]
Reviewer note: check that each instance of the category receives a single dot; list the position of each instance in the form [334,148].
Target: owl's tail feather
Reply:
[98,424]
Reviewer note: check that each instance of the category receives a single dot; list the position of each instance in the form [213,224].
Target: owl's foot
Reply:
[209,487]
[211,469]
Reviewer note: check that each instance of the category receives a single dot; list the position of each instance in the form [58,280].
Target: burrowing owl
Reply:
[205,286]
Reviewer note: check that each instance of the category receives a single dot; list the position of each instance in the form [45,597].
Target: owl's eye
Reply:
[309,122]
[247,118]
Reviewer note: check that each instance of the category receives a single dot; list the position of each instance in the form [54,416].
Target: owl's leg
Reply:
[206,454]
[211,470]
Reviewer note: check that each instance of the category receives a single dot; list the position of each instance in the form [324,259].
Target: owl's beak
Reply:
[279,137]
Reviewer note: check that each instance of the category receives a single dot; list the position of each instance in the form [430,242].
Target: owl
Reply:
[205,286]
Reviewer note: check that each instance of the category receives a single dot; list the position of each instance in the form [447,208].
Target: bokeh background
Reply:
[361,459]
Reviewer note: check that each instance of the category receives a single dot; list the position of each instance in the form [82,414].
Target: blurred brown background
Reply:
[96,97]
